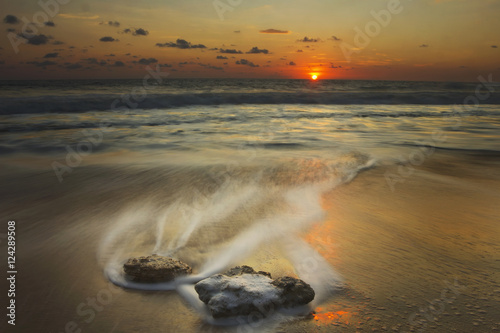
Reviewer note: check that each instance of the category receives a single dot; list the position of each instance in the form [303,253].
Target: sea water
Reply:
[291,176]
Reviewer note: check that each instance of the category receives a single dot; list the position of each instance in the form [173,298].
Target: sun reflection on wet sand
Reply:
[340,316]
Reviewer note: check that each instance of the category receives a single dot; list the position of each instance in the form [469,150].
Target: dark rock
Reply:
[239,270]
[294,292]
[155,268]
[243,291]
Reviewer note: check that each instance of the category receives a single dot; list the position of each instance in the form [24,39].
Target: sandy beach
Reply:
[423,257]
[347,151]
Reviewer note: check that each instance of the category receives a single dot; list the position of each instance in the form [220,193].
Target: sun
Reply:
[314,77]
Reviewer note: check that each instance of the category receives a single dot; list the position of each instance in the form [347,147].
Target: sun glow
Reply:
[314,77]
[332,316]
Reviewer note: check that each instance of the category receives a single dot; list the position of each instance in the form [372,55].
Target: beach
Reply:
[428,245]
[389,211]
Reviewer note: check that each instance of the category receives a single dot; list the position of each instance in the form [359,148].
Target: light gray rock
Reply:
[155,268]
[243,291]
[238,295]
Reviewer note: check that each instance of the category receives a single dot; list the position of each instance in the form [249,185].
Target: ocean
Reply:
[382,195]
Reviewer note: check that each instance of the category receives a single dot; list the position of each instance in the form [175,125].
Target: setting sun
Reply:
[314,77]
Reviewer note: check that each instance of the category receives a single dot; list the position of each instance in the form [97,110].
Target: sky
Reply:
[417,40]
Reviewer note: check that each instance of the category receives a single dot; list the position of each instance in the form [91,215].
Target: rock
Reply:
[243,294]
[243,291]
[155,268]
[239,270]
[294,292]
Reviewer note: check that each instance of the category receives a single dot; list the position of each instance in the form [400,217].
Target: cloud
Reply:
[11,19]
[256,50]
[136,32]
[49,24]
[309,40]
[333,66]
[181,44]
[211,67]
[94,61]
[246,63]
[230,51]
[237,31]
[91,61]
[300,51]
[51,55]
[335,39]
[111,23]
[274,31]
[291,63]
[424,45]
[57,42]
[108,39]
[494,46]
[42,64]
[144,61]
[71,66]
[181,64]
[36,39]
[140,32]
[118,64]
[221,57]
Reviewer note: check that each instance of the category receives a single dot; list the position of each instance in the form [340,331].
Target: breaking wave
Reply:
[114,102]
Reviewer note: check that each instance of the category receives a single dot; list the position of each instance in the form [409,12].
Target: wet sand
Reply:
[424,257]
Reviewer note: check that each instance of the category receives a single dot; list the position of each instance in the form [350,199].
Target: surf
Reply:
[215,223]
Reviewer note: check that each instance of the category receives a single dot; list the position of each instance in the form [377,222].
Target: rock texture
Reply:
[294,292]
[244,291]
[239,270]
[239,295]
[155,268]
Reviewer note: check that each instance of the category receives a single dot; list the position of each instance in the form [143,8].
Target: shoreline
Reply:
[395,251]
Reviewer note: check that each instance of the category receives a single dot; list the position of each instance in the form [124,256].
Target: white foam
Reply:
[172,227]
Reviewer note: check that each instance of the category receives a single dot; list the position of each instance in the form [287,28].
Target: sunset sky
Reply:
[444,40]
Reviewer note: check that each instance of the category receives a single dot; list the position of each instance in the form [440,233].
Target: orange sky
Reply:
[445,40]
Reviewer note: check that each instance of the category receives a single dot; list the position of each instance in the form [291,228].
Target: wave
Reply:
[212,223]
[25,125]
[116,102]
[469,151]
